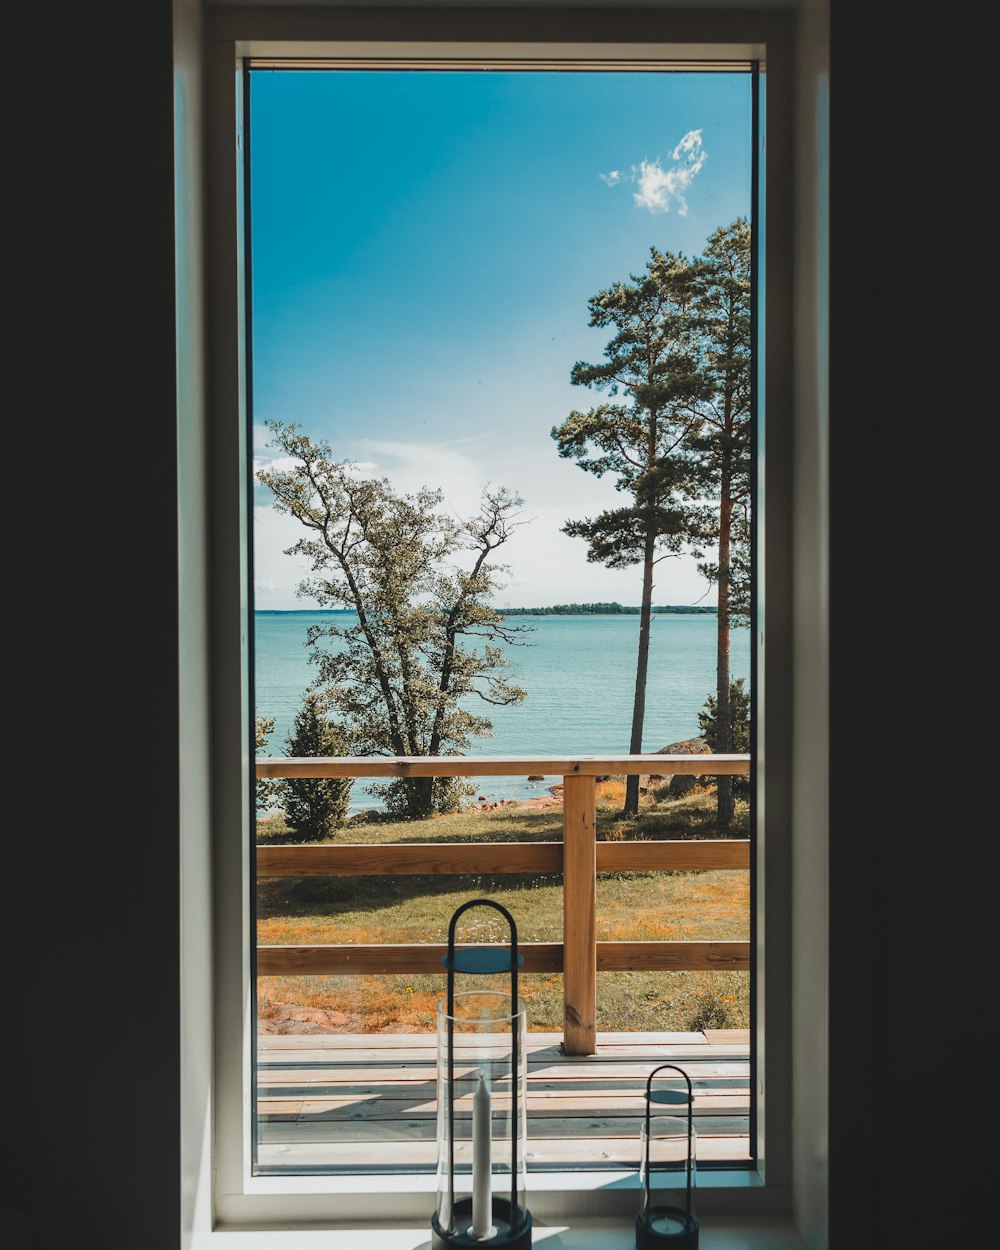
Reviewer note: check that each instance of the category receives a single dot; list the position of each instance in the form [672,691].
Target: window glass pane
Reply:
[503,319]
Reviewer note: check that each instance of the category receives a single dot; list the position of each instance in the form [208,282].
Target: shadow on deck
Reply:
[364,1103]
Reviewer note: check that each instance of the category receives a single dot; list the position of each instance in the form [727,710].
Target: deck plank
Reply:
[391,1041]
[344,1156]
[304,1111]
[414,1128]
[368,1102]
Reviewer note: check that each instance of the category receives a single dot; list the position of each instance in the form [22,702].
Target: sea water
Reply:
[578,672]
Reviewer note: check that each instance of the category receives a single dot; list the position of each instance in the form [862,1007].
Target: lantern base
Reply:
[502,1236]
[661,1227]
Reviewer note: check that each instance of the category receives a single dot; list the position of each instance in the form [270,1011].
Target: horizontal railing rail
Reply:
[579,858]
[504,766]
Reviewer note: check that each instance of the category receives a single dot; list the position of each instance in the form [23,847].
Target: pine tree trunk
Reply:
[641,667]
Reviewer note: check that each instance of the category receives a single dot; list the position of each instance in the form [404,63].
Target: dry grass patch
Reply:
[418,908]
[626,1001]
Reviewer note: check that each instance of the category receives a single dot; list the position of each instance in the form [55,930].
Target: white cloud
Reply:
[546,565]
[690,144]
[660,189]
[445,466]
[276,464]
[550,567]
[261,437]
[264,458]
[276,574]
[451,466]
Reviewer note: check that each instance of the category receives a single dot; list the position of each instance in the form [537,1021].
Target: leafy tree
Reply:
[650,373]
[721,448]
[738,729]
[267,790]
[314,806]
[426,640]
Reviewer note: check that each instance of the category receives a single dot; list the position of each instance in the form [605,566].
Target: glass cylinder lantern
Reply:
[481,1122]
[667,1162]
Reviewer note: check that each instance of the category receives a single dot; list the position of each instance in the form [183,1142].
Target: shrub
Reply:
[712,1012]
[266,790]
[447,796]
[315,806]
[739,709]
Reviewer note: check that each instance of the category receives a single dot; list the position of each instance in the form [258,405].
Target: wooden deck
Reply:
[362,1103]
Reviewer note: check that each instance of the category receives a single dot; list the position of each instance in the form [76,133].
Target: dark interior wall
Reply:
[90,897]
[912,491]
[90,918]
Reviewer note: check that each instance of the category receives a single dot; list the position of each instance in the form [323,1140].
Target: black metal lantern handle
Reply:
[690,1105]
[453,964]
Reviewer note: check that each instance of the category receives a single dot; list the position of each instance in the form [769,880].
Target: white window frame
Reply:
[240,1201]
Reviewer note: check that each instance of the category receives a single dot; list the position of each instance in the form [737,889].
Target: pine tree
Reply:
[721,447]
[738,729]
[639,436]
[315,806]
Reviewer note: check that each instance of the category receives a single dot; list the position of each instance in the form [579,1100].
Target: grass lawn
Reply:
[630,907]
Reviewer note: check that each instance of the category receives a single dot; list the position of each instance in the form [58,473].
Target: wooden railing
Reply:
[579,857]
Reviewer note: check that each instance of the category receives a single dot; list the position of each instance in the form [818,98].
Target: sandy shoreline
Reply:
[554,798]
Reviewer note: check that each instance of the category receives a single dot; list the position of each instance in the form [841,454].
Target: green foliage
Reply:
[315,806]
[675,434]
[720,443]
[267,791]
[739,704]
[739,729]
[651,376]
[721,448]
[447,795]
[425,645]
[649,373]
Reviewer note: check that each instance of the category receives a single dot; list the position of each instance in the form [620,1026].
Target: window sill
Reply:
[554,1227]
[541,1185]
[347,1209]
[717,1233]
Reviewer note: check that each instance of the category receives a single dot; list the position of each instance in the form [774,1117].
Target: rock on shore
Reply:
[680,783]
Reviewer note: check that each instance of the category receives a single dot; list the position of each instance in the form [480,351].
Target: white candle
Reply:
[482,1201]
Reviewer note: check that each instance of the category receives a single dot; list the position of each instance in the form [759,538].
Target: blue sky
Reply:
[424,246]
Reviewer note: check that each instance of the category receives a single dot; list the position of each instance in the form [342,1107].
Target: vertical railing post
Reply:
[579,916]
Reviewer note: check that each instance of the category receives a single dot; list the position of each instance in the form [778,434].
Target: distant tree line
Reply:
[606,609]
